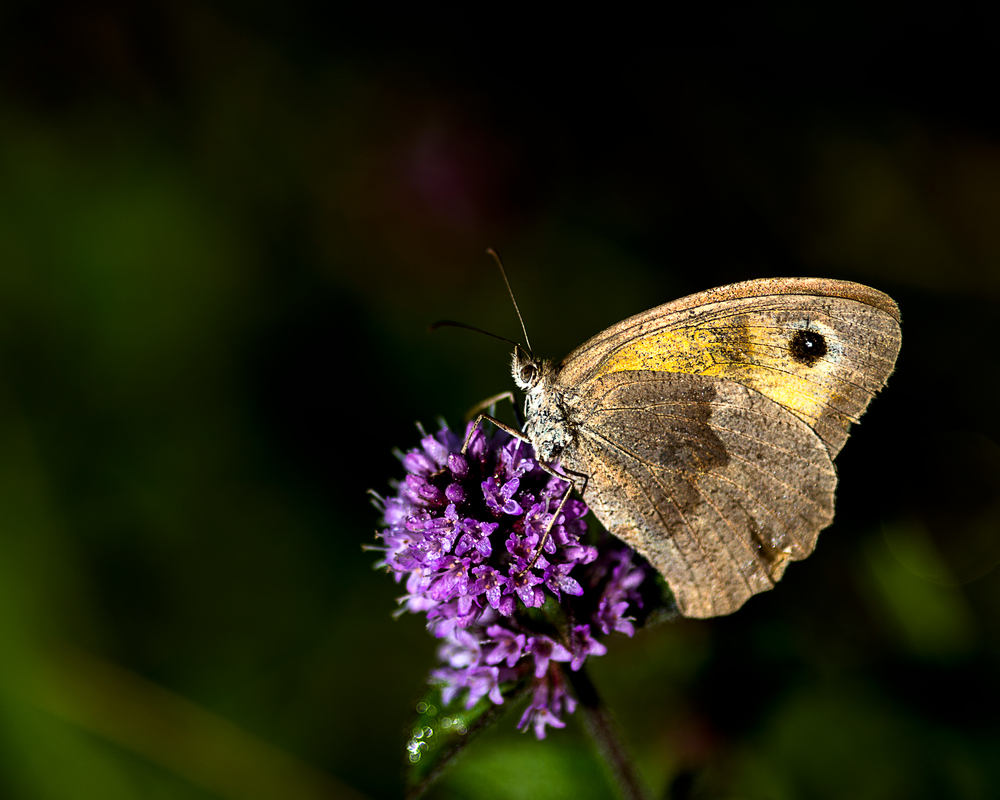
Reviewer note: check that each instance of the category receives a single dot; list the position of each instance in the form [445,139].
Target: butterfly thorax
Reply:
[545,414]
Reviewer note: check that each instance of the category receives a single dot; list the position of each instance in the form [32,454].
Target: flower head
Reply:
[463,533]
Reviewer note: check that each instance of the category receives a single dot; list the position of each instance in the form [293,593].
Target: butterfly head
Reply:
[527,369]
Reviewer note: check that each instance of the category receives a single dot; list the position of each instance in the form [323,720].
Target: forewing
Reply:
[818,348]
[715,484]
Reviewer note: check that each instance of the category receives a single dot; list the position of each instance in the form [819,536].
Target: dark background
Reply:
[224,228]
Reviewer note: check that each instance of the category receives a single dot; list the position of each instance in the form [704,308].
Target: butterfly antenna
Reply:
[450,323]
[503,272]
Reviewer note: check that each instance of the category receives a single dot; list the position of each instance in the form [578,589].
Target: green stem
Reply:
[608,738]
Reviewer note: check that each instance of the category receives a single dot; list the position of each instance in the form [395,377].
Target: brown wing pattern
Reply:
[753,333]
[716,485]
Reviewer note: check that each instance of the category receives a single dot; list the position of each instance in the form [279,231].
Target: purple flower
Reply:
[548,703]
[507,645]
[544,649]
[460,533]
[582,644]
[620,592]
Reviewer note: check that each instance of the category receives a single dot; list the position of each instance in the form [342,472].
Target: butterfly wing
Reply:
[707,426]
[717,486]
[819,348]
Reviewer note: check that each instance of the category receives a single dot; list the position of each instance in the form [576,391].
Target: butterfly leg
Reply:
[489,402]
[501,425]
[571,476]
[476,410]
[567,475]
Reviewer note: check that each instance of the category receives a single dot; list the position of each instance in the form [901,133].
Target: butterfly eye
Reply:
[807,347]
[528,372]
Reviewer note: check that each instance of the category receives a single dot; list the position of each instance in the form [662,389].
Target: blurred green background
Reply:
[224,229]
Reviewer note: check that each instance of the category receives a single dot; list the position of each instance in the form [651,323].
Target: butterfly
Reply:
[703,432]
